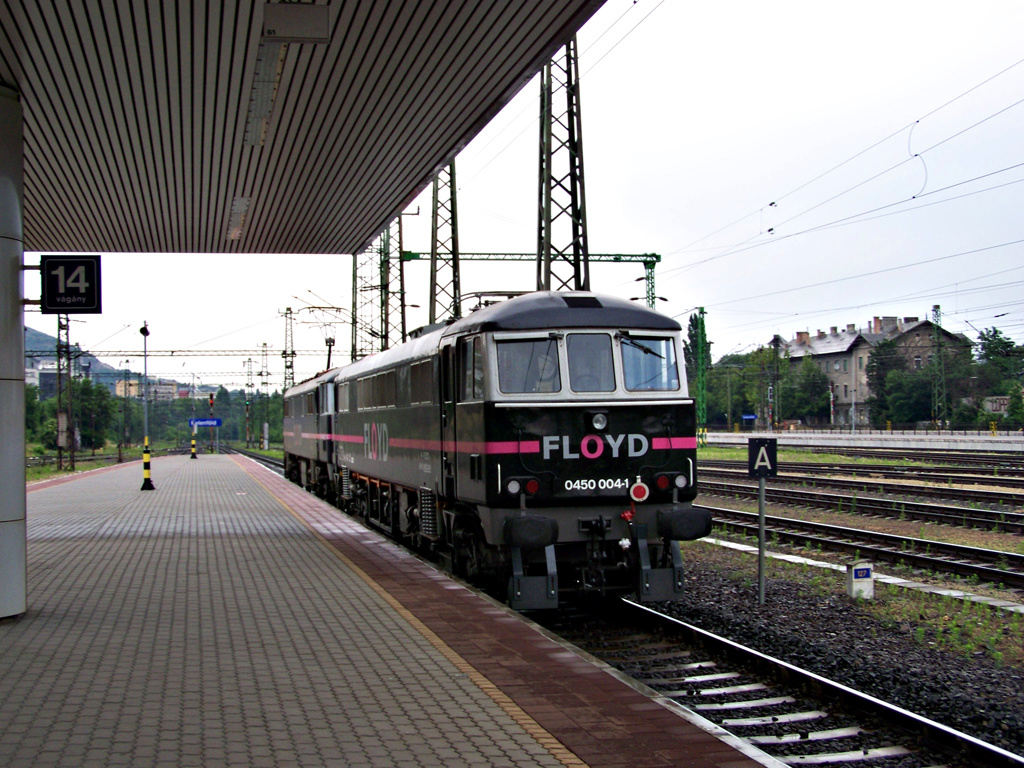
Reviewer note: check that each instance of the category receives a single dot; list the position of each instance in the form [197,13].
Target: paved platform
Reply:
[230,619]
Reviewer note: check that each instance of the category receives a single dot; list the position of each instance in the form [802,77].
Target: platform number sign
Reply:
[762,458]
[71,285]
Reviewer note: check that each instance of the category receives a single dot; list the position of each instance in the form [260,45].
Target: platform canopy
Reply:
[238,126]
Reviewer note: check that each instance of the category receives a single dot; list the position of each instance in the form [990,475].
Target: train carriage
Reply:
[546,443]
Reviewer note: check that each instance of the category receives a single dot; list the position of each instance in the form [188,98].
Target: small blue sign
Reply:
[204,422]
[862,573]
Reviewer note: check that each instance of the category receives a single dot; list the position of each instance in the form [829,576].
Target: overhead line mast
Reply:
[562,249]
[445,290]
[289,351]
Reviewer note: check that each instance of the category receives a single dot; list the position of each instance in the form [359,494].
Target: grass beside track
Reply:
[271,453]
[798,456]
[962,627]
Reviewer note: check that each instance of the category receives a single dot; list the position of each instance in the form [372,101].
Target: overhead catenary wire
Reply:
[864,151]
[867,274]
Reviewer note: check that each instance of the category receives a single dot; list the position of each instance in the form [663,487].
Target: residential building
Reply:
[843,357]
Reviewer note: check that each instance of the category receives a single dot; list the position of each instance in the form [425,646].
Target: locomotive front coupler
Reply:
[595,526]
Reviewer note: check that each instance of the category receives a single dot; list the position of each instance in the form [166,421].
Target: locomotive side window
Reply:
[343,397]
[528,366]
[478,368]
[403,394]
[326,399]
[422,381]
[390,390]
[649,363]
[471,369]
[590,362]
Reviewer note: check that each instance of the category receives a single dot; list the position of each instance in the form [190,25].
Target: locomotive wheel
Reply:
[467,547]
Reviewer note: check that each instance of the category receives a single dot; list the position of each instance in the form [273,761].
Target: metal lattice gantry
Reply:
[562,249]
[392,280]
[289,350]
[445,291]
[649,261]
[378,294]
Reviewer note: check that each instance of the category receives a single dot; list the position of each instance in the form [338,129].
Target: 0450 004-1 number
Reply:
[604,484]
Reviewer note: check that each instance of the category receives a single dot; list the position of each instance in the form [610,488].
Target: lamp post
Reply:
[147,482]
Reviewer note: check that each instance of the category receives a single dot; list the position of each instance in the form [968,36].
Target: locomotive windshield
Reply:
[590,362]
[649,363]
[528,366]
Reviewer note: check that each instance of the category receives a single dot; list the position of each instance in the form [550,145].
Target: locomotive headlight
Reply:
[600,421]
[513,487]
[681,481]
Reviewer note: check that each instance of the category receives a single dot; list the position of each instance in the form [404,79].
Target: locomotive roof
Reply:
[562,309]
[541,310]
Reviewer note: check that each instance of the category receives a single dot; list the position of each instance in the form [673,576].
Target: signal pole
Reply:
[248,398]
[702,388]
[265,374]
[939,369]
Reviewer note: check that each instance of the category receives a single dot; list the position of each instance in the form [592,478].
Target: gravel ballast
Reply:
[836,638]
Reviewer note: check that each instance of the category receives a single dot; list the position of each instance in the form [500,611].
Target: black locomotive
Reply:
[545,442]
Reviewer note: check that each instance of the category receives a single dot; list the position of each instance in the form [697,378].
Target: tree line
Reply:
[102,419]
[765,381]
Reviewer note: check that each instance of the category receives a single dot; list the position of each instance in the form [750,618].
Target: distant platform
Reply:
[949,441]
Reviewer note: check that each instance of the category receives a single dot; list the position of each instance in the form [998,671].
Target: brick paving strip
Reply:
[202,625]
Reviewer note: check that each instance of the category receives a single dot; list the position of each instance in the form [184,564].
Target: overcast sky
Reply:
[798,165]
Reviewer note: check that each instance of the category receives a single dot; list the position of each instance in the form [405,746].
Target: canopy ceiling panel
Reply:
[205,126]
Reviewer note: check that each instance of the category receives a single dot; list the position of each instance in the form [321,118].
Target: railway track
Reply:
[988,565]
[974,495]
[794,715]
[275,464]
[999,477]
[997,520]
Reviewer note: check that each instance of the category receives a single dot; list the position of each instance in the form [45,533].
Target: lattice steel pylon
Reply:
[392,282]
[378,294]
[289,350]
[445,292]
[562,249]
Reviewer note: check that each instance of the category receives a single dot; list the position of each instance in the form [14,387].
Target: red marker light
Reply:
[639,492]
[532,486]
[662,482]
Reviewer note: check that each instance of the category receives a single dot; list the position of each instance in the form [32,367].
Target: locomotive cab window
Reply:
[590,362]
[649,363]
[529,366]
[471,366]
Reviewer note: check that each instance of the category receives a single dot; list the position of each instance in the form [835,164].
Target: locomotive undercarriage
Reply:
[530,576]
[596,568]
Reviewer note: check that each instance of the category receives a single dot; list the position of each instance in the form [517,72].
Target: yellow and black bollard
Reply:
[193,446]
[147,483]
